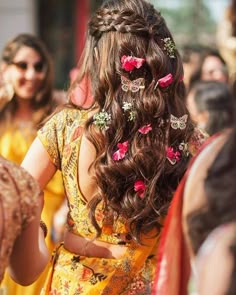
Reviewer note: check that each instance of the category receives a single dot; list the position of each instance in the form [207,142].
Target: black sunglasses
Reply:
[39,67]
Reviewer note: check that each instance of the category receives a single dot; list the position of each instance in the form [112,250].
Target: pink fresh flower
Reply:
[131,62]
[145,129]
[121,152]
[140,187]
[172,156]
[165,81]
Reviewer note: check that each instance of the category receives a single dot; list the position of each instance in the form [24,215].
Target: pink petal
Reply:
[170,153]
[131,62]
[165,81]
[138,62]
[140,187]
[123,146]
[141,194]
[177,156]
[123,58]
[118,155]
[145,129]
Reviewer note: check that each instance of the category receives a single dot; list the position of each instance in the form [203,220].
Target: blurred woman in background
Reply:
[211,106]
[26,98]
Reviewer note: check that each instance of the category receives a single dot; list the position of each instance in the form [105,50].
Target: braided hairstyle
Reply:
[134,28]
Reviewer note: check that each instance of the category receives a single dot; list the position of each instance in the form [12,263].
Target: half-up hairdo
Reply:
[134,28]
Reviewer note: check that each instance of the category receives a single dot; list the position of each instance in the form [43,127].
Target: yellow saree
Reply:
[14,143]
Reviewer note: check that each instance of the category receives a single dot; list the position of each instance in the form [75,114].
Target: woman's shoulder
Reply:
[215,251]
[69,113]
[65,117]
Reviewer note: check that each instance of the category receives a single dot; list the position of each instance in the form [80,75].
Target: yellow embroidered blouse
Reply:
[71,273]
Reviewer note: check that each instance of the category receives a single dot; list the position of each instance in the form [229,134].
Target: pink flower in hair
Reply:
[145,129]
[165,81]
[121,152]
[172,156]
[131,62]
[139,187]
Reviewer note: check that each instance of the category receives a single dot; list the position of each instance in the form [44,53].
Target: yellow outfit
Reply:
[14,143]
[75,274]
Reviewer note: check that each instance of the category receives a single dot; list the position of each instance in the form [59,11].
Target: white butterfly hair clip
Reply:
[178,123]
[133,86]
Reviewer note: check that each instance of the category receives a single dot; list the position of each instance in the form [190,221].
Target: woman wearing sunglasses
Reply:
[26,98]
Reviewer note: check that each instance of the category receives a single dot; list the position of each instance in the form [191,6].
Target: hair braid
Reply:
[124,22]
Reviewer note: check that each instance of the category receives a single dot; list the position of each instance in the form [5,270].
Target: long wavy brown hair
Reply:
[42,104]
[134,28]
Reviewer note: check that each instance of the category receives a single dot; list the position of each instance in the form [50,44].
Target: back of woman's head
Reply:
[215,98]
[136,79]
[43,97]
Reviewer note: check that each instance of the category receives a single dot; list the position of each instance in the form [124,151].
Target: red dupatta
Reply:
[173,263]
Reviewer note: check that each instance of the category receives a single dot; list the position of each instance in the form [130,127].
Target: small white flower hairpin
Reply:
[128,107]
[102,119]
[169,47]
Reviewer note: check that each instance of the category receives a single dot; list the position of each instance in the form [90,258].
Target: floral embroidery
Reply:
[145,129]
[131,62]
[139,187]
[121,152]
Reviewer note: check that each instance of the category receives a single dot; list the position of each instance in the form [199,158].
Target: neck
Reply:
[24,110]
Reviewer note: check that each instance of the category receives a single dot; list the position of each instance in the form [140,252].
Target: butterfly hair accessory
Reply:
[128,107]
[178,123]
[131,62]
[169,47]
[132,85]
[165,81]
[102,119]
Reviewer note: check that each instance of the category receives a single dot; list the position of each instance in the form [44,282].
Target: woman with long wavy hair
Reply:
[122,144]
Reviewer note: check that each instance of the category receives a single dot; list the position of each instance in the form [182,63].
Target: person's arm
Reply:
[30,254]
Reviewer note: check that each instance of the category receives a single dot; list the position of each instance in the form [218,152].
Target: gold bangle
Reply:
[43,226]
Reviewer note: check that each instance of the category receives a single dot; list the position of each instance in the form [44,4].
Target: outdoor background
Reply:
[61,25]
